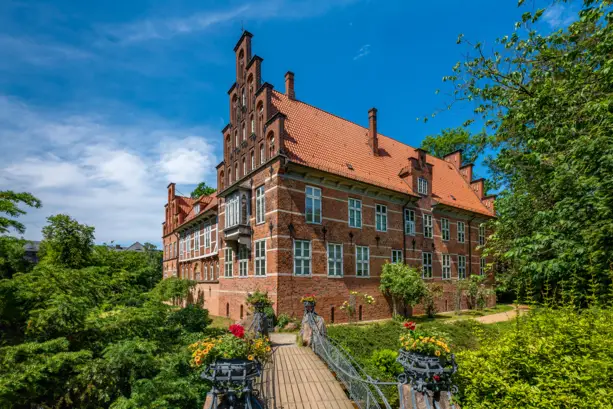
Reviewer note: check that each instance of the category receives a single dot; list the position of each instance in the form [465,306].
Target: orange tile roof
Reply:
[206,203]
[321,140]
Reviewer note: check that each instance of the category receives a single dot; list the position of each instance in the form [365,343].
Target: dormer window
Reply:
[422,186]
[197,208]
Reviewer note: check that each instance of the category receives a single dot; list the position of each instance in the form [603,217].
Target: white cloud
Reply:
[559,15]
[108,175]
[362,52]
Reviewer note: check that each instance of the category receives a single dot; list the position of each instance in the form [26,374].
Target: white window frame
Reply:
[445,231]
[422,186]
[260,205]
[260,258]
[397,256]
[461,267]
[362,261]
[335,260]
[228,271]
[207,235]
[428,227]
[482,235]
[243,261]
[409,222]
[252,160]
[380,217]
[355,213]
[314,197]
[197,208]
[262,154]
[482,266]
[426,265]
[205,273]
[232,210]
[461,232]
[197,240]
[446,263]
[304,261]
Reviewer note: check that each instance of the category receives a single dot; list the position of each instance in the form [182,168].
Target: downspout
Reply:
[404,232]
[470,249]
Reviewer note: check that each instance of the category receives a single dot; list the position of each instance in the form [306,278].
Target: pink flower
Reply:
[410,325]
[436,378]
[237,330]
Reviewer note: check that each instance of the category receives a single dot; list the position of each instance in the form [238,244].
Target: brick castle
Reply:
[308,202]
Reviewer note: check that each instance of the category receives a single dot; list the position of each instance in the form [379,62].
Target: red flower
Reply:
[410,325]
[436,378]
[237,330]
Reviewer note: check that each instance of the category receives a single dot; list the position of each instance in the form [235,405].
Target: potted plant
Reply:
[309,302]
[259,300]
[427,360]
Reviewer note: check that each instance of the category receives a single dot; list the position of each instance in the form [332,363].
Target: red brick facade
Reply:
[270,164]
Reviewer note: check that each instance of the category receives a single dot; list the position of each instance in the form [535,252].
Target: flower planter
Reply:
[309,306]
[233,371]
[426,372]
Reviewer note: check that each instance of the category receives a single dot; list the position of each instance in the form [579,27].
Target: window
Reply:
[197,240]
[302,257]
[481,235]
[197,208]
[244,167]
[446,266]
[228,266]
[242,261]
[426,259]
[445,229]
[232,211]
[397,256]
[235,172]
[482,266]
[461,266]
[355,213]
[252,124]
[313,205]
[409,222]
[422,186]
[335,260]
[244,133]
[189,243]
[380,217]
[262,158]
[362,261]
[205,276]
[428,226]
[252,160]
[197,273]
[236,139]
[461,233]
[260,257]
[207,235]
[260,204]
[271,146]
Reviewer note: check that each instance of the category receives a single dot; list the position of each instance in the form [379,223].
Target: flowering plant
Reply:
[308,298]
[259,297]
[234,345]
[423,343]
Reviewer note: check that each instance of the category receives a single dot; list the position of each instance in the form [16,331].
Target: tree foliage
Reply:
[403,284]
[202,189]
[97,331]
[548,100]
[453,139]
[12,256]
[9,209]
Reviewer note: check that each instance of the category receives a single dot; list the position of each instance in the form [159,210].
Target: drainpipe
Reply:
[470,249]
[404,233]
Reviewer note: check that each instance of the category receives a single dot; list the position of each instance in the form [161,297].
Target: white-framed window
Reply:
[252,160]
[422,186]
[228,265]
[244,167]
[481,235]
[313,205]
[197,240]
[355,213]
[380,217]
[244,133]
[446,260]
[262,158]
[426,262]
[207,235]
[252,125]
[236,139]
[242,261]
[190,243]
[409,222]
[461,266]
[335,260]
[445,229]
[362,261]
[197,273]
[260,204]
[260,257]
[236,172]
[197,208]
[428,226]
[482,265]
[232,210]
[205,275]
[397,256]
[461,232]
[302,257]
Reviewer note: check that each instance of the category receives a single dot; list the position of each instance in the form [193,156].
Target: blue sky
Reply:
[102,104]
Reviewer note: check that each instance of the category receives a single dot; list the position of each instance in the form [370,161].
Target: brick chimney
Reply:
[373,139]
[289,85]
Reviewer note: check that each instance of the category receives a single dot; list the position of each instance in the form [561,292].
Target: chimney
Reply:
[455,158]
[373,139]
[289,85]
[171,192]
[467,172]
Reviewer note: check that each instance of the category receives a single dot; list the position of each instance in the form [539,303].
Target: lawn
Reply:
[221,322]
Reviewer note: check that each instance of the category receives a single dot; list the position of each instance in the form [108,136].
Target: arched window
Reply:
[221,180]
[332,315]
[234,112]
[261,116]
[241,316]
[236,138]
[244,167]
[236,172]
[244,99]
[271,145]
[244,133]
[252,160]
[241,63]
[252,125]
[262,158]
[360,313]
[228,145]
[228,310]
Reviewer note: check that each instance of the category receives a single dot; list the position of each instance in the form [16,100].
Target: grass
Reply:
[221,322]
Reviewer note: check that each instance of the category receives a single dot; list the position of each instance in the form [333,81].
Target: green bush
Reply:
[385,361]
[552,358]
[192,318]
[283,319]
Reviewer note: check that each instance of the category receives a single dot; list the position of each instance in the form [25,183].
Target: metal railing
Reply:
[362,388]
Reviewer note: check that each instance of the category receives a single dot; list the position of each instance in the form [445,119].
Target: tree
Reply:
[453,139]
[548,100]
[403,284]
[13,257]
[202,189]
[9,201]
[66,242]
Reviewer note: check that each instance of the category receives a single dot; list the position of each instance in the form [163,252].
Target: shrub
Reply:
[431,296]
[283,319]
[192,318]
[385,361]
[552,358]
[403,283]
